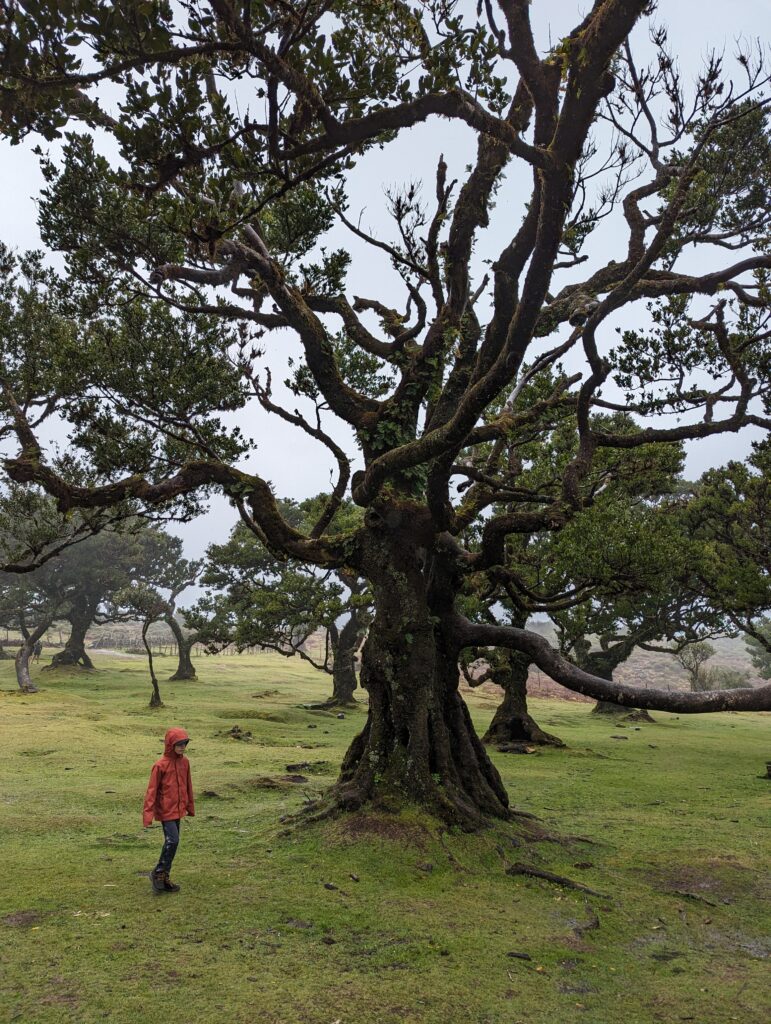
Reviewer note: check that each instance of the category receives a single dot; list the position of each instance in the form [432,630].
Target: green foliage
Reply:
[673,364]
[53,337]
[256,599]
[729,195]
[728,518]
[693,658]
[720,678]
[758,648]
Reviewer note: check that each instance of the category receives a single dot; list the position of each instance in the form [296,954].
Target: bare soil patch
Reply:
[22,919]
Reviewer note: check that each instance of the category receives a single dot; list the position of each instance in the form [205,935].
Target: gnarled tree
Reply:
[220,215]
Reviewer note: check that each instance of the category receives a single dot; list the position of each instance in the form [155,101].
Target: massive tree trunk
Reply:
[23,676]
[74,652]
[185,646]
[418,743]
[512,723]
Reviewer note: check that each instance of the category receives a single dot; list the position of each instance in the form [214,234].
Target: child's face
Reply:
[179,748]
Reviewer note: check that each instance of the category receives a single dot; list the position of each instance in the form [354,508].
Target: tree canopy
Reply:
[208,152]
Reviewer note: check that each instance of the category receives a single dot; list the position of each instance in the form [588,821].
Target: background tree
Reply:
[182,574]
[728,516]
[260,600]
[759,648]
[693,658]
[154,599]
[147,604]
[621,546]
[214,213]
[103,565]
[29,604]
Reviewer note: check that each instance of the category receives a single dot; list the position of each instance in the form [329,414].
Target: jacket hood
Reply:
[173,736]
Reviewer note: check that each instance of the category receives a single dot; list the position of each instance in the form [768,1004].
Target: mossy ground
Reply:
[667,824]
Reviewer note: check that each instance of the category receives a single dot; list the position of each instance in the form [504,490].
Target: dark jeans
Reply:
[170,844]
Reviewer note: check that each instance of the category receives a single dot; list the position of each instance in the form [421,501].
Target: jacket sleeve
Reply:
[148,811]
[190,801]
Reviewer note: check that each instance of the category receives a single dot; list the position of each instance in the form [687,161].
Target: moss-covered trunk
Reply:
[418,744]
[512,722]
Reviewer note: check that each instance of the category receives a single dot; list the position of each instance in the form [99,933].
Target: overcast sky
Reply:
[297,466]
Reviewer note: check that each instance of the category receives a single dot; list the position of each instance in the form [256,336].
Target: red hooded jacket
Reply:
[169,793]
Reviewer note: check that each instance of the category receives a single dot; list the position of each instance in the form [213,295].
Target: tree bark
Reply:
[346,644]
[185,669]
[472,634]
[155,700]
[74,652]
[418,744]
[512,723]
[23,677]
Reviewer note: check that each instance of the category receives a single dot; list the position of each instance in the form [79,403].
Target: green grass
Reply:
[425,934]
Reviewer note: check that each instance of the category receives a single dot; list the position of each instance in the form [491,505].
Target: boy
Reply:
[169,799]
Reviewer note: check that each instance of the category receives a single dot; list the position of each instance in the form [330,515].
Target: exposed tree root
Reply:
[548,876]
[506,733]
[682,894]
[69,658]
[330,705]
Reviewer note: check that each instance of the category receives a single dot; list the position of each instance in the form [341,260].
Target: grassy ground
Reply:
[272,926]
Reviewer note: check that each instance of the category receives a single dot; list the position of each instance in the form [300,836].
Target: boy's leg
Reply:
[170,844]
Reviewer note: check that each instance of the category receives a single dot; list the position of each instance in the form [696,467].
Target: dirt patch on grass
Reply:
[361,826]
[22,919]
[272,782]
[718,880]
[59,994]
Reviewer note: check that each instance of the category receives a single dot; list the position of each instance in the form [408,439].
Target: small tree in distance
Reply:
[693,658]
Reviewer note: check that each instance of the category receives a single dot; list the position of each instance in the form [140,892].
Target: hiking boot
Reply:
[168,885]
[158,880]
